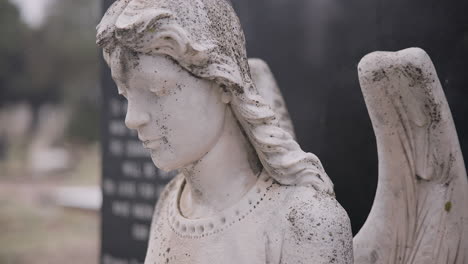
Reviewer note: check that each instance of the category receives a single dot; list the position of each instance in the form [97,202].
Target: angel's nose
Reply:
[136,119]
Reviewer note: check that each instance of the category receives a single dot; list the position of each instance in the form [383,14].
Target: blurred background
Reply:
[49,152]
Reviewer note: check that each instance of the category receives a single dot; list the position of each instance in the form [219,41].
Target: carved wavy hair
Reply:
[205,38]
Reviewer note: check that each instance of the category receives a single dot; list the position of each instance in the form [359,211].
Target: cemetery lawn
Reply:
[34,229]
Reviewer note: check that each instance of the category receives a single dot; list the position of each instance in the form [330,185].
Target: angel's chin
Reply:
[164,162]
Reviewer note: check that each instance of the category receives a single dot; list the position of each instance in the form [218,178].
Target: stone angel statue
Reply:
[246,192]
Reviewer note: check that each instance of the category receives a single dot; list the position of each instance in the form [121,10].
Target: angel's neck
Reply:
[222,176]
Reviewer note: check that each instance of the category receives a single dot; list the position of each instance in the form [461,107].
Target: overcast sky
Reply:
[32,11]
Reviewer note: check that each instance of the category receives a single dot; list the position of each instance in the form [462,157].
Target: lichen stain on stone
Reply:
[374,257]
[424,81]
[379,75]
[448,206]
[298,220]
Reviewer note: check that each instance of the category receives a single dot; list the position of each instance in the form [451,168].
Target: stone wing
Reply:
[420,209]
[269,90]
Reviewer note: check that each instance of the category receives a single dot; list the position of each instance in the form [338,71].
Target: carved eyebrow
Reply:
[120,79]
[121,87]
[117,79]
[119,69]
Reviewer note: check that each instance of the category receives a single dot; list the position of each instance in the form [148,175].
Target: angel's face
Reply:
[178,117]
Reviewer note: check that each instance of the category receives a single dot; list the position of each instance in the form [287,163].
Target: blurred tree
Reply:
[55,63]
[12,44]
[69,44]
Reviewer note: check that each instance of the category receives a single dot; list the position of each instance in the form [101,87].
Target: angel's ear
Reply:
[226,96]
[268,89]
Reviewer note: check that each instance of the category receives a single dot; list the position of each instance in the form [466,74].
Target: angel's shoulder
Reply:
[304,207]
[315,226]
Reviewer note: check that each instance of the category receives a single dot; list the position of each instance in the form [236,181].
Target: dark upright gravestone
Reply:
[313,47]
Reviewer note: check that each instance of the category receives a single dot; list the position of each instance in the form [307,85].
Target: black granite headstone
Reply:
[313,47]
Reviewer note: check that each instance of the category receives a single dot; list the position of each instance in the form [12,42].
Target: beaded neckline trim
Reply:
[203,227]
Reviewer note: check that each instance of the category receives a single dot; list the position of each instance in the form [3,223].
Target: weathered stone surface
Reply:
[420,212]
[246,192]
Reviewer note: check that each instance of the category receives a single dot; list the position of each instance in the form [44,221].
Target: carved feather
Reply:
[420,212]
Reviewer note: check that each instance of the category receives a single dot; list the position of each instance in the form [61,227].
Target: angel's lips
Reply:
[152,144]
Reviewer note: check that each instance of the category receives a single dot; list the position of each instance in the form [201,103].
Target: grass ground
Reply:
[35,230]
